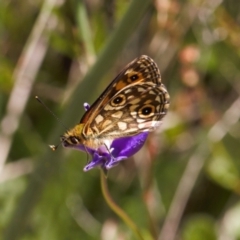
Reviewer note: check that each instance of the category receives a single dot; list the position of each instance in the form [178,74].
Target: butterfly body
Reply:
[134,102]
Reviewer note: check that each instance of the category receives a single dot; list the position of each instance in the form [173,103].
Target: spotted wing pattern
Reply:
[134,102]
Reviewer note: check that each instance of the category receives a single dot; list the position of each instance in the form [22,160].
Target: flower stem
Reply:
[117,209]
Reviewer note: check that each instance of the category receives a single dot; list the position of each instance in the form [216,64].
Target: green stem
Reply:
[117,209]
[85,32]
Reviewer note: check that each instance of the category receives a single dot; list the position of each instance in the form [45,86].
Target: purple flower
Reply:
[120,149]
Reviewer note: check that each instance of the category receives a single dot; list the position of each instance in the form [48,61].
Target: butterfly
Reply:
[134,102]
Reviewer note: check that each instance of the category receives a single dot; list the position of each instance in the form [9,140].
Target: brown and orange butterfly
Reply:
[134,102]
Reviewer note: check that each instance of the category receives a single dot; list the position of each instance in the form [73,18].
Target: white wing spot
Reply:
[106,123]
[98,119]
[128,91]
[157,99]
[135,101]
[128,71]
[140,89]
[117,114]
[108,107]
[122,125]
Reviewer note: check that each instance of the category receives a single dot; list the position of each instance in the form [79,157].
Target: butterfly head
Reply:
[73,137]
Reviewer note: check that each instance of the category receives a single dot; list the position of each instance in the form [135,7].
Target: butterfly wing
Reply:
[135,101]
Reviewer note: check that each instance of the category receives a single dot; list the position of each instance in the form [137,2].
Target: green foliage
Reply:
[199,227]
[186,178]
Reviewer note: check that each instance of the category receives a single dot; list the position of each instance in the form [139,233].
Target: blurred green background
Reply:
[184,183]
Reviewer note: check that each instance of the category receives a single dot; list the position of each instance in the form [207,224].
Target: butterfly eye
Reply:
[119,100]
[146,111]
[74,140]
[134,77]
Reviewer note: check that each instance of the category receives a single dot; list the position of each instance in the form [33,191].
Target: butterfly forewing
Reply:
[134,102]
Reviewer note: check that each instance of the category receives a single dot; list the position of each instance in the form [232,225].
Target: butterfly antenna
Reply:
[53,147]
[49,110]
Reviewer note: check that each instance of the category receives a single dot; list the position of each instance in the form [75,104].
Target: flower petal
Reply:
[128,146]
[99,160]
[95,162]
[125,147]
[120,149]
